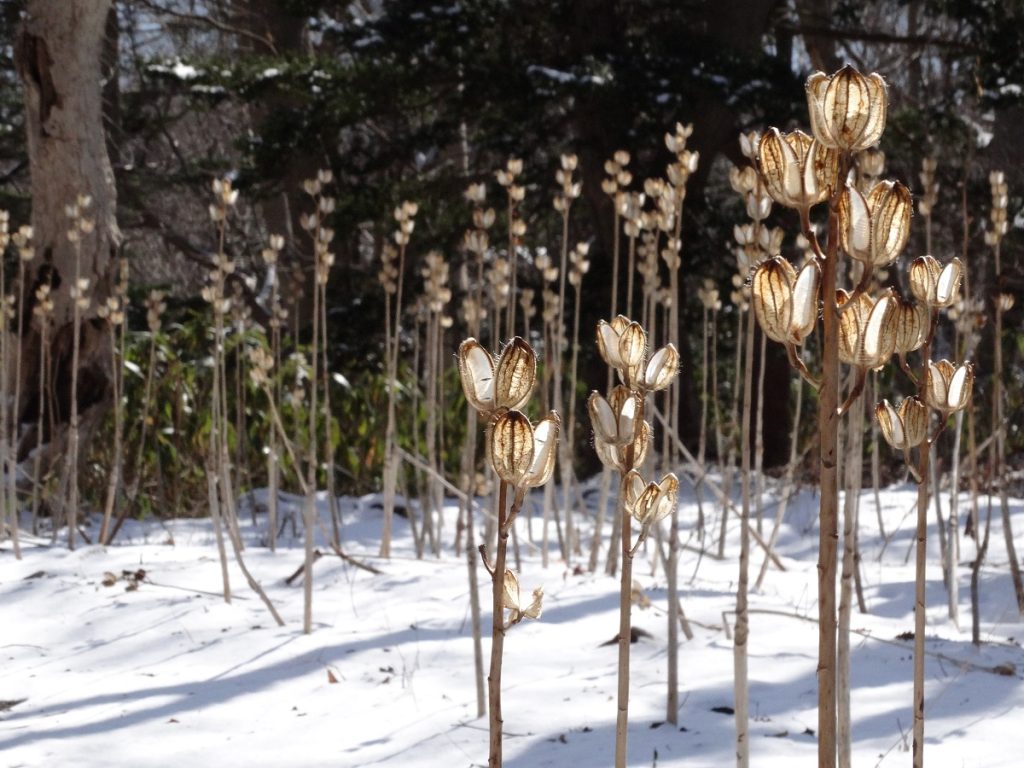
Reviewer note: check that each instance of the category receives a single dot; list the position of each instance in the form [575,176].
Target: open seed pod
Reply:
[874,228]
[513,600]
[786,304]
[649,502]
[847,109]
[904,427]
[616,456]
[933,284]
[521,454]
[613,419]
[947,388]
[507,385]
[867,329]
[798,171]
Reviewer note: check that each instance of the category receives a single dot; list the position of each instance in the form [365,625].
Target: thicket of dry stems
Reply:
[866,224]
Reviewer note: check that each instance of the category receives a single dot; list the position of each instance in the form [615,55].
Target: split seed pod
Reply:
[623,346]
[785,304]
[513,600]
[947,388]
[873,229]
[615,456]
[507,385]
[867,330]
[613,419]
[847,109]
[649,502]
[904,427]
[522,454]
[798,171]
[933,284]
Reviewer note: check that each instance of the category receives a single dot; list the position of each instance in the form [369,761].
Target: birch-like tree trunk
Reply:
[59,52]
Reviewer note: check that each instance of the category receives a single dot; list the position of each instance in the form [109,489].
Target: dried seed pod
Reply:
[935,285]
[911,325]
[613,420]
[510,447]
[513,600]
[797,170]
[507,385]
[785,303]
[661,369]
[847,109]
[615,456]
[904,427]
[649,502]
[874,229]
[867,330]
[947,388]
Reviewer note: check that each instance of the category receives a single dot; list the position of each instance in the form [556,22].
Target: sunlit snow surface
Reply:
[169,674]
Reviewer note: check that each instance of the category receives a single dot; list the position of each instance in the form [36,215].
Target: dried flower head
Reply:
[520,453]
[933,284]
[493,386]
[904,427]
[649,503]
[785,303]
[874,228]
[947,388]
[798,171]
[847,109]
[513,600]
[867,329]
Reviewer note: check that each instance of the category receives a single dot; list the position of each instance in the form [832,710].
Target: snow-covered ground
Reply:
[170,674]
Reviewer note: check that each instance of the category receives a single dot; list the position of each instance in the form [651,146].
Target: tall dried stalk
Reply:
[523,457]
[43,312]
[997,451]
[392,278]
[79,290]
[278,314]
[114,312]
[741,635]
[621,439]
[219,481]
[22,240]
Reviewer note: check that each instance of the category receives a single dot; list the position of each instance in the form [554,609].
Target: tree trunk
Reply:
[59,54]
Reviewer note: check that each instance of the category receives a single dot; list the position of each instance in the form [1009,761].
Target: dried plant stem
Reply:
[759,437]
[273,459]
[734,418]
[309,511]
[742,633]
[625,602]
[12,474]
[147,397]
[393,334]
[469,454]
[828,517]
[72,461]
[565,455]
[625,593]
[506,517]
[875,460]
[44,363]
[630,269]
[853,466]
[117,384]
[921,535]
[998,452]
[218,532]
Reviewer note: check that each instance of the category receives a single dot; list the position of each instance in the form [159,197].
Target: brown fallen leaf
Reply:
[331,677]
